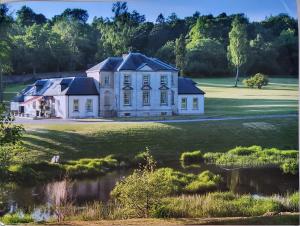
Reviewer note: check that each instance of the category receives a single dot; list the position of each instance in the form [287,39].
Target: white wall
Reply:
[189,110]
[28,107]
[61,106]
[82,113]
[14,106]
[137,108]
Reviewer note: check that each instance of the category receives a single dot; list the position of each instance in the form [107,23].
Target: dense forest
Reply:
[199,44]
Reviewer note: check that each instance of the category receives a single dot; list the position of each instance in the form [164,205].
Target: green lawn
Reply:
[166,140]
[222,99]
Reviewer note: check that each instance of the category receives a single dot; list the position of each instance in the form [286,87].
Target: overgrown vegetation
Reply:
[256,156]
[191,157]
[258,80]
[221,204]
[16,218]
[142,191]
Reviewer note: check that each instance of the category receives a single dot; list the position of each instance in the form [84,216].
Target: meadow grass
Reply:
[191,157]
[220,204]
[166,141]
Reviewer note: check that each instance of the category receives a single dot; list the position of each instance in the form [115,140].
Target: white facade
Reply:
[82,106]
[190,104]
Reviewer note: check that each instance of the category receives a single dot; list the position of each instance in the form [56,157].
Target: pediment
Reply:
[144,67]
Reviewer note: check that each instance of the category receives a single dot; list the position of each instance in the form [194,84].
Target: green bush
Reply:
[258,80]
[16,218]
[206,181]
[191,157]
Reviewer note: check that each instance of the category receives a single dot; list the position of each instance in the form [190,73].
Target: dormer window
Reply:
[146,80]
[164,80]
[127,80]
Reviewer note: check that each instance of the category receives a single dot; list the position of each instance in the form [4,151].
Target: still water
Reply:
[263,182]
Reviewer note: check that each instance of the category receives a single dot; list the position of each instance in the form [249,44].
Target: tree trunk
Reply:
[236,76]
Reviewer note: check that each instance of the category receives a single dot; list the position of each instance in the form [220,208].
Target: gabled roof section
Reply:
[110,64]
[188,86]
[82,86]
[132,62]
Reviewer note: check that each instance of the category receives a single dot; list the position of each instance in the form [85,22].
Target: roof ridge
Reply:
[124,60]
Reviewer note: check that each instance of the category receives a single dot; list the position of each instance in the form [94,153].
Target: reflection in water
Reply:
[266,181]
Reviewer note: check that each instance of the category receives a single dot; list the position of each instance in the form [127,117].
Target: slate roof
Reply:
[188,86]
[59,86]
[132,62]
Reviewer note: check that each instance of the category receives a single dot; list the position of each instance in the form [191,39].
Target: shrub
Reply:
[191,157]
[245,150]
[206,181]
[16,218]
[290,166]
[258,80]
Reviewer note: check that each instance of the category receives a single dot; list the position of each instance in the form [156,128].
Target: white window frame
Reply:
[89,105]
[127,79]
[75,105]
[164,80]
[164,97]
[146,80]
[146,93]
[127,99]
[184,103]
[195,103]
[106,80]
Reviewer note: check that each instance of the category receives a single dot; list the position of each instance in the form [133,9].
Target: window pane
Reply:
[89,105]
[127,97]
[146,80]
[164,97]
[106,80]
[127,80]
[146,97]
[163,80]
[183,103]
[195,103]
[76,105]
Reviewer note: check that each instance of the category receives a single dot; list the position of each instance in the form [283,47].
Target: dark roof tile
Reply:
[188,86]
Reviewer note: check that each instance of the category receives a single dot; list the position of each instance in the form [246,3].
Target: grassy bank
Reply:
[165,140]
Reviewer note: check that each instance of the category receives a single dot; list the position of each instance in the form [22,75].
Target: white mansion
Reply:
[131,85]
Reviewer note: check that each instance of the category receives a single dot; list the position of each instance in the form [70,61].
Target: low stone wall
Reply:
[26,78]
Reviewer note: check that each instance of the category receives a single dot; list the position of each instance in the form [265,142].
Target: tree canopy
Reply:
[200,45]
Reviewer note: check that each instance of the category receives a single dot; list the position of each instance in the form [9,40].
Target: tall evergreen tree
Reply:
[237,48]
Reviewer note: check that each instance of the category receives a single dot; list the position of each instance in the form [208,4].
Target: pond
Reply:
[262,182]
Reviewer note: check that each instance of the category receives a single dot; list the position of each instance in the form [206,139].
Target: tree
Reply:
[167,52]
[237,48]
[160,19]
[27,17]
[141,191]
[10,135]
[180,52]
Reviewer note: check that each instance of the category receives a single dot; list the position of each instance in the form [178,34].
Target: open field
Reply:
[279,97]
[166,140]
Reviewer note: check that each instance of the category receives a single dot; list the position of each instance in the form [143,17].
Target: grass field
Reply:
[166,140]
[279,97]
